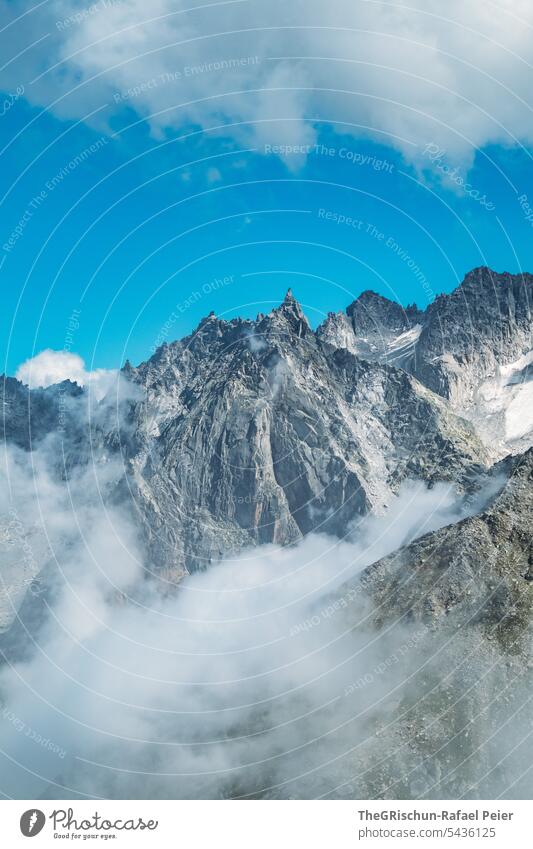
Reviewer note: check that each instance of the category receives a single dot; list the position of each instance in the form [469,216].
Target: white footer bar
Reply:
[267,824]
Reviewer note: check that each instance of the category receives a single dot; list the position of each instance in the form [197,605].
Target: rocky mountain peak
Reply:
[371,313]
[210,331]
[471,333]
[473,346]
[250,433]
[483,290]
[374,328]
[209,322]
[337,330]
[269,433]
[290,313]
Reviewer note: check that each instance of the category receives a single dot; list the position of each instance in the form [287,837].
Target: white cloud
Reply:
[51,367]
[407,75]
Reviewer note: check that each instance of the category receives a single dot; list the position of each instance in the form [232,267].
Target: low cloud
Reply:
[261,676]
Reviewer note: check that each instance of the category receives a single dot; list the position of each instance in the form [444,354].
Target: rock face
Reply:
[28,416]
[471,347]
[252,432]
[480,569]
[375,328]
[469,334]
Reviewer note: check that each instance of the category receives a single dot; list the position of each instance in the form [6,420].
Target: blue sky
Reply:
[129,219]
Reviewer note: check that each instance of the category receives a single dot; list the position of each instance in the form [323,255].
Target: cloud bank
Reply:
[262,676]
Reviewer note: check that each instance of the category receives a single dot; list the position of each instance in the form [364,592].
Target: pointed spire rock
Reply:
[291,311]
[290,304]
[206,320]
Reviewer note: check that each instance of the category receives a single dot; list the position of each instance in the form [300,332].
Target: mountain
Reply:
[375,328]
[259,432]
[410,679]
[466,591]
[253,432]
[29,416]
[481,566]
[473,347]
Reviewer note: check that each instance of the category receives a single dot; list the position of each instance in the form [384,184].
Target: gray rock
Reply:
[458,683]
[256,432]
[472,347]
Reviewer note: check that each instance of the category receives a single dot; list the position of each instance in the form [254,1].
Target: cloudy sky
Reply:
[161,161]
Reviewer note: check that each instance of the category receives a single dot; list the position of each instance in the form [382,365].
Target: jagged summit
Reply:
[375,328]
[369,297]
[291,311]
[262,434]
[372,313]
[472,346]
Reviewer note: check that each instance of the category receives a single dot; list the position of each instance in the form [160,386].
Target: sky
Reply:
[161,162]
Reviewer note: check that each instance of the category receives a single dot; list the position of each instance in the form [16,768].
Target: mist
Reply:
[263,676]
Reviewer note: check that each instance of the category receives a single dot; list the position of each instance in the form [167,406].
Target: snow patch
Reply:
[502,410]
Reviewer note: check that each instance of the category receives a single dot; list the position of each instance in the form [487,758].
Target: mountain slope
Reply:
[252,432]
[262,433]
[472,347]
[462,597]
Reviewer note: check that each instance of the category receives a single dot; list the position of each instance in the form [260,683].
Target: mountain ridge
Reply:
[267,434]
[250,432]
